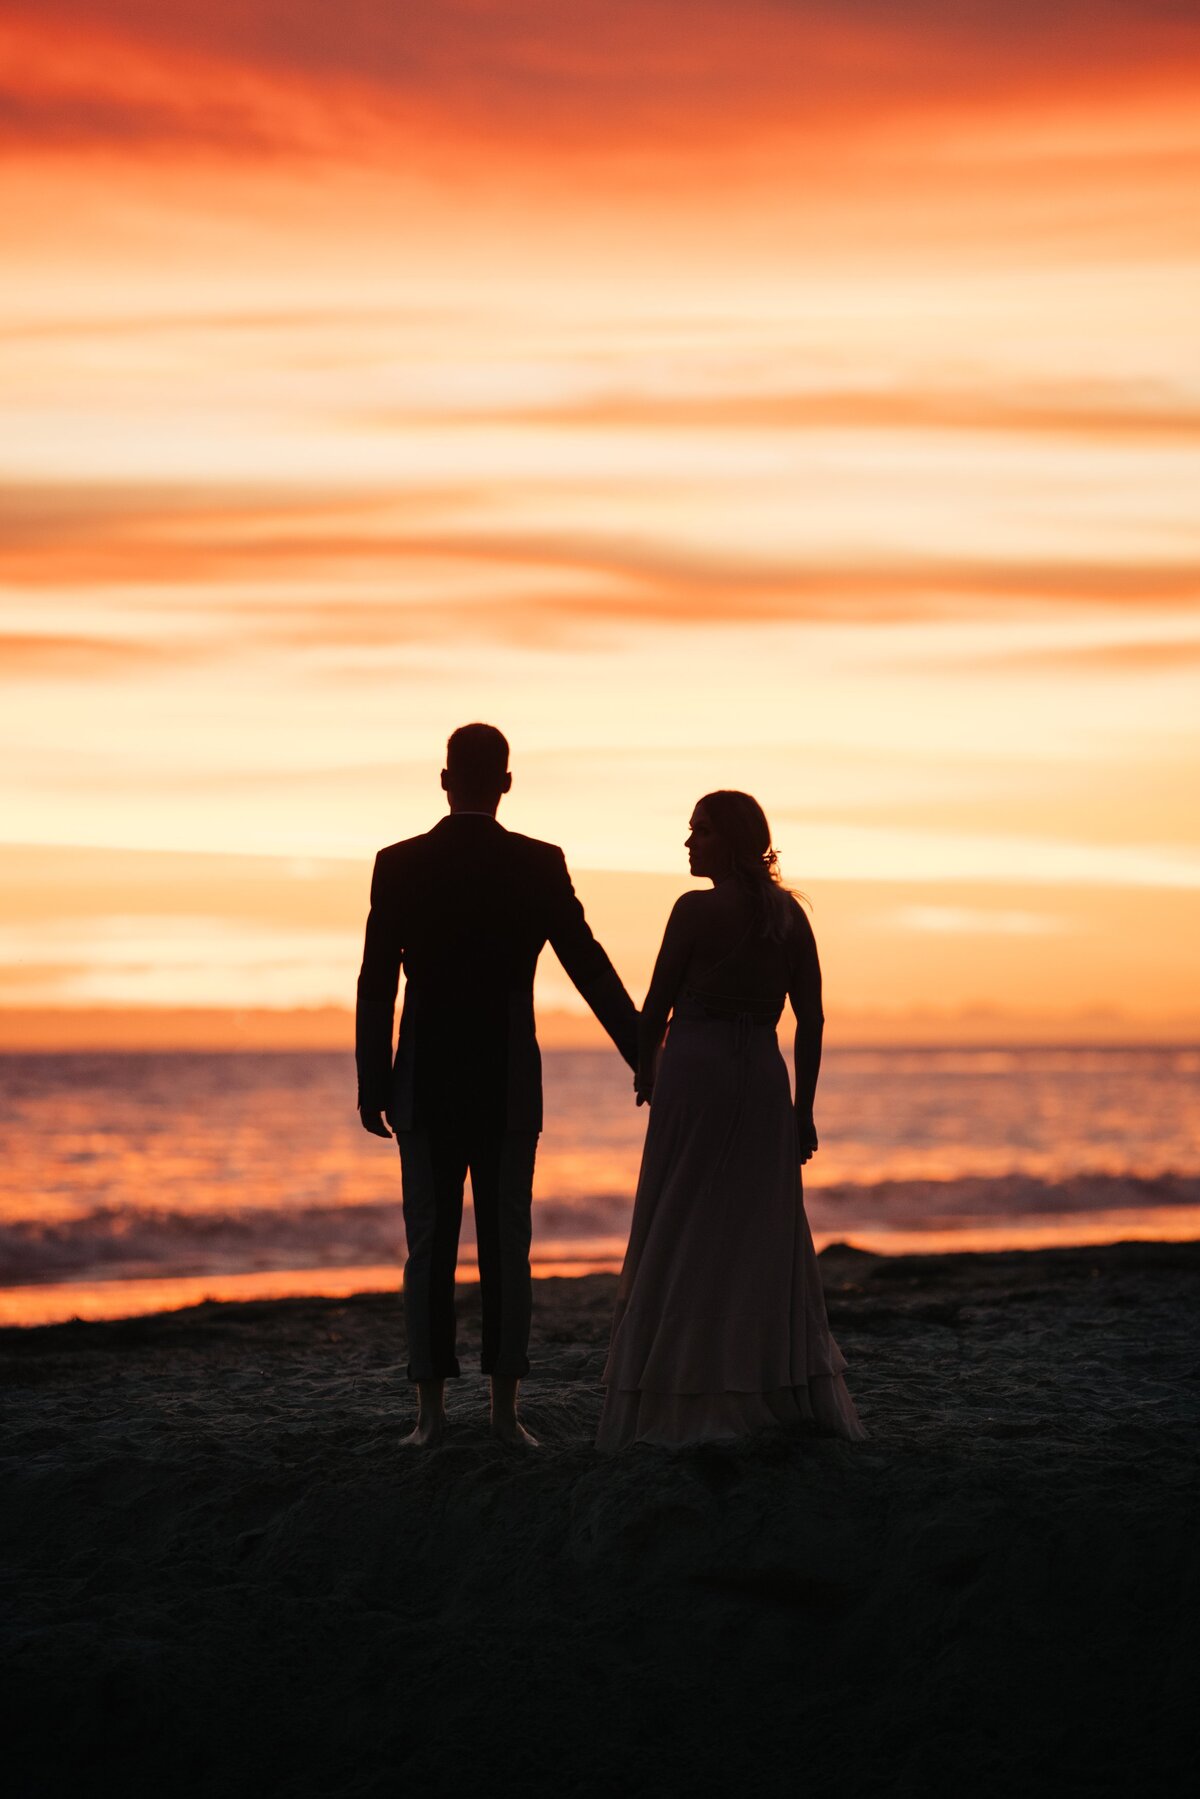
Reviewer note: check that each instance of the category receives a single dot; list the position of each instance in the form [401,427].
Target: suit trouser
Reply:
[434,1166]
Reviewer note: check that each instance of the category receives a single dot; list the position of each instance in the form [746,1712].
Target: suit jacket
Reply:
[466,910]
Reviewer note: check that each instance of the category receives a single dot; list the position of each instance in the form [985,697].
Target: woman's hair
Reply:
[741,824]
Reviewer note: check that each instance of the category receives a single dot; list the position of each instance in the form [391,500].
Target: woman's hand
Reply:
[806,1136]
[643,1086]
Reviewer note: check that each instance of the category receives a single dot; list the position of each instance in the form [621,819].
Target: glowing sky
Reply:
[790,396]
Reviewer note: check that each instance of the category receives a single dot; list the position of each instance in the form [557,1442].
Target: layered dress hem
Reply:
[720,1329]
[822,1407]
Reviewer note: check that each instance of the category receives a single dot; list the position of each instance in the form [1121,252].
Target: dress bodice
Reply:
[747,978]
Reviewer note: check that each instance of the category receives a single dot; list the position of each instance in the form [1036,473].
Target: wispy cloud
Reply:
[105,534]
[59,884]
[1097,414]
[1139,802]
[112,927]
[22,655]
[629,72]
[1128,656]
[400,582]
[256,325]
[791,395]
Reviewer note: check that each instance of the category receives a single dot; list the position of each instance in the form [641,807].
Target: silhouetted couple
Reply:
[720,1325]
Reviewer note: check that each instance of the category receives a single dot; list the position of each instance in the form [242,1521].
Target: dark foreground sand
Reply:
[223,1576]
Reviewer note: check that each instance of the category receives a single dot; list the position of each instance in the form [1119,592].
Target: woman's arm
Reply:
[804,991]
[665,982]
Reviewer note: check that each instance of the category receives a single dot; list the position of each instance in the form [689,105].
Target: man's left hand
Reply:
[375,1122]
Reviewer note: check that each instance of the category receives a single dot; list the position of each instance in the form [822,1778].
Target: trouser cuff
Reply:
[417,1373]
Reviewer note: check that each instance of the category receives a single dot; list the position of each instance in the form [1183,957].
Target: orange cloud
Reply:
[389,572]
[1142,656]
[1109,801]
[881,960]
[50,884]
[1100,414]
[98,534]
[656,74]
[23,655]
[369,241]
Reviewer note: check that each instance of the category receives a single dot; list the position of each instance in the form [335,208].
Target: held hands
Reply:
[375,1122]
[643,1086]
[806,1136]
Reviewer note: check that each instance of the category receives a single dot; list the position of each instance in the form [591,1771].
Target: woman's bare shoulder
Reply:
[688,905]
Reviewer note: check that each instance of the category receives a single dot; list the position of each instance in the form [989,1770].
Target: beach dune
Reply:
[224,1575]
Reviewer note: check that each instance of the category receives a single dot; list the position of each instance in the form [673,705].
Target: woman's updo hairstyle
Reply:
[741,824]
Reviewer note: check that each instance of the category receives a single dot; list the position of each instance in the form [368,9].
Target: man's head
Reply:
[476,771]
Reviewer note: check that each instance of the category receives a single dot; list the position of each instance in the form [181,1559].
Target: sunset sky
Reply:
[790,396]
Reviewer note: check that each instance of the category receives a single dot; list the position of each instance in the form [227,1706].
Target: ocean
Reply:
[132,1182]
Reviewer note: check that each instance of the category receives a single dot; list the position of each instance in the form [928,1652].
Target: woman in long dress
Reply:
[720,1327]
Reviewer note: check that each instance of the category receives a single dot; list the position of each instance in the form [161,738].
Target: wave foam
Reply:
[112,1242]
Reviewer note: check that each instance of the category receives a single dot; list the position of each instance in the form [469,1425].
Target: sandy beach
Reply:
[223,1575]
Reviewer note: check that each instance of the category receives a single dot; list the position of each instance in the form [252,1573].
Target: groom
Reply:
[466,910]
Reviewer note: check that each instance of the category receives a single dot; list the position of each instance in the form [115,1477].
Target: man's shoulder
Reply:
[532,849]
[534,859]
[536,867]
[397,865]
[402,851]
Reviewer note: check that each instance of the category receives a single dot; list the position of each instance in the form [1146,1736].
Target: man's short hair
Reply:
[477,758]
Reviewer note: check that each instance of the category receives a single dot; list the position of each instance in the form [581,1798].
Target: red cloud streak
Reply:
[622,74]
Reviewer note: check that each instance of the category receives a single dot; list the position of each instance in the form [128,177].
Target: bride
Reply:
[720,1325]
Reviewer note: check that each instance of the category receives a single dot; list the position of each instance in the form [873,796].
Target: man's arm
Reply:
[378,980]
[588,966]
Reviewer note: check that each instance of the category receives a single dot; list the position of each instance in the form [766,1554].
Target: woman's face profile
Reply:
[707,855]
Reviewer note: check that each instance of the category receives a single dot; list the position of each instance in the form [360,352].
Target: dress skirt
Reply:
[720,1327]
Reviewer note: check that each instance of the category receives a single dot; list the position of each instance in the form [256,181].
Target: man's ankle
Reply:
[504,1395]
[431,1397]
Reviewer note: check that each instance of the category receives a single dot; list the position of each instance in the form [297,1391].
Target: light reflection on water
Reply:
[57,1302]
[190,1167]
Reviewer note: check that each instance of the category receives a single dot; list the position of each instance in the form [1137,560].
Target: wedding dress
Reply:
[720,1327]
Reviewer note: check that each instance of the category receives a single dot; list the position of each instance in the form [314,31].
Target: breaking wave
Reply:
[130,1242]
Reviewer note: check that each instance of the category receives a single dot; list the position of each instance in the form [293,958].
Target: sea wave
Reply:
[970,1199]
[130,1242]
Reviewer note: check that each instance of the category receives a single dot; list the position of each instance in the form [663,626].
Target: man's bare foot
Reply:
[511,1430]
[432,1421]
[426,1432]
[505,1424]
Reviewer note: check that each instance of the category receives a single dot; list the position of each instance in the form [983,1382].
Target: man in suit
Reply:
[465,910]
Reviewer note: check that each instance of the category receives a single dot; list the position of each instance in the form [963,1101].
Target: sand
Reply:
[222,1575]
